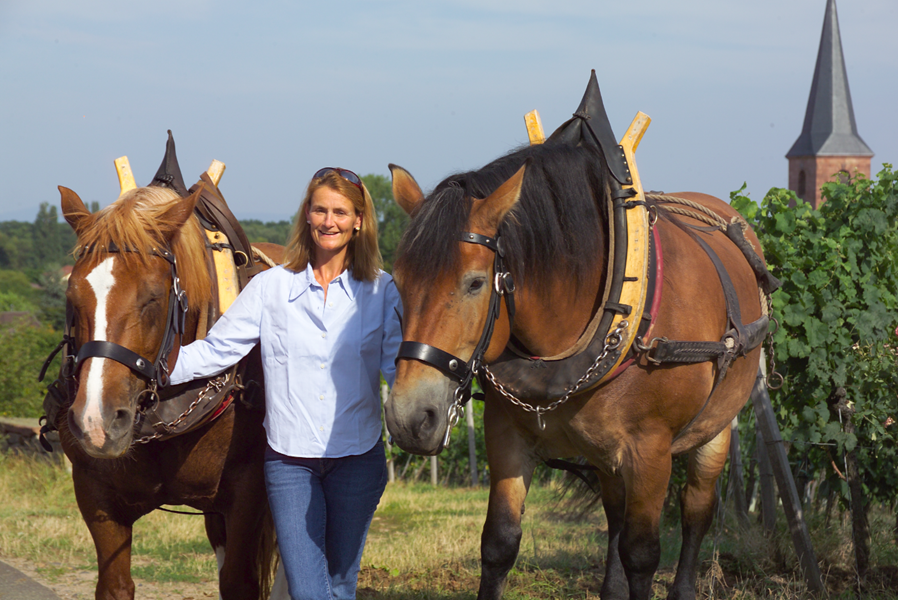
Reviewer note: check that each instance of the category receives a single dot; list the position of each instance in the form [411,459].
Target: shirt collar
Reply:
[306,279]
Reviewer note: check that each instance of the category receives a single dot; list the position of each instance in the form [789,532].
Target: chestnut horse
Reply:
[546,206]
[130,256]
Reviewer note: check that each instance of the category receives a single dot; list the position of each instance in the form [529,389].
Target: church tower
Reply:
[829,142]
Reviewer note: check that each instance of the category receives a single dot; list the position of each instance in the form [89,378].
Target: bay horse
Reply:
[541,211]
[132,258]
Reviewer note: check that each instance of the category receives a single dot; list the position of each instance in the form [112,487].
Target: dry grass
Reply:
[425,543]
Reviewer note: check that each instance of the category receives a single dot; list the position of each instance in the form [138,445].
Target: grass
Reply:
[425,543]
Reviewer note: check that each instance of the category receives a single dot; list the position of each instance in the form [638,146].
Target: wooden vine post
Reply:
[779,461]
[391,466]
[472,442]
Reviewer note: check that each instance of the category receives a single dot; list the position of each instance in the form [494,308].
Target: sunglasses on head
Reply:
[344,173]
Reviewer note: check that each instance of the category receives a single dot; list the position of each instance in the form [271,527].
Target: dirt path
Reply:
[80,585]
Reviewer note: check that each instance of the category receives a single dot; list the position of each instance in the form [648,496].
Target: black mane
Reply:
[557,226]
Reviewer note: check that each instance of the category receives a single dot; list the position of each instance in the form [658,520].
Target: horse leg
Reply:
[614,498]
[697,503]
[639,544]
[216,533]
[240,575]
[511,468]
[112,540]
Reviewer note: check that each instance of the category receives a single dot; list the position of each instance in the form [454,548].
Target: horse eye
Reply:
[476,284]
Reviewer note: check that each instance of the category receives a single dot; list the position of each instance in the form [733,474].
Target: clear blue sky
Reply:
[277,89]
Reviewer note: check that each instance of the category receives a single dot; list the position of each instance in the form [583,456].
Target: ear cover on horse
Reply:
[169,173]
[590,127]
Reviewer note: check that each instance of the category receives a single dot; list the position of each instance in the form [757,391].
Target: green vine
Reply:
[837,312]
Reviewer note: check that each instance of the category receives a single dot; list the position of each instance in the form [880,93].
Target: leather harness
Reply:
[516,374]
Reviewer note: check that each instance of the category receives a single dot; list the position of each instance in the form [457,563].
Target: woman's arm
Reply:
[229,340]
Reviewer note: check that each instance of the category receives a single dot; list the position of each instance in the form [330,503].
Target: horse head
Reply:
[450,282]
[131,259]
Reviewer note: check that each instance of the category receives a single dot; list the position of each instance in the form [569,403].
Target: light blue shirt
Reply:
[322,360]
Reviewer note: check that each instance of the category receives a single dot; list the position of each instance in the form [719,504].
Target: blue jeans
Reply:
[322,508]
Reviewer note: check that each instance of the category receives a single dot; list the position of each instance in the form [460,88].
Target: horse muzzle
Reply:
[103,423]
[417,416]
[103,436]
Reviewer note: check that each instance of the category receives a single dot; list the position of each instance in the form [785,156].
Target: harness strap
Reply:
[735,342]
[447,363]
[103,349]
[213,208]
[765,278]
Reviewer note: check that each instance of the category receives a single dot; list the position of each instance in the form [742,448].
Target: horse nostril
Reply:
[121,421]
[428,423]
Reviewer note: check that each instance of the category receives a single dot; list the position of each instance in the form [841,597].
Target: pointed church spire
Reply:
[829,126]
[829,142]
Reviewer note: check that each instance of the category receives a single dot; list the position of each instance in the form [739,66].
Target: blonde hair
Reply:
[362,255]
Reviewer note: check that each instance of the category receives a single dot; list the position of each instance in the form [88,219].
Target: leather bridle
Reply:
[156,371]
[456,368]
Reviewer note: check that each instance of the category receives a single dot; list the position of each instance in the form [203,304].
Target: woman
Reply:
[328,324]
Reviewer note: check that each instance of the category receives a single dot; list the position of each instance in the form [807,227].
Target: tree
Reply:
[12,302]
[275,232]
[16,282]
[16,245]
[391,220]
[52,299]
[47,246]
[21,394]
[836,345]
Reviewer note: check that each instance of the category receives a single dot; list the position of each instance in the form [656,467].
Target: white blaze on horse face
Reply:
[101,282]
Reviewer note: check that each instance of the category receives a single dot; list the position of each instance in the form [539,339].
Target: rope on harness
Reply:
[705,214]
[263,257]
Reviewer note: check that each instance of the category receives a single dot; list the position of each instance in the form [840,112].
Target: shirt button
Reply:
[321,397]
[330,304]
[323,366]
[321,429]
[324,335]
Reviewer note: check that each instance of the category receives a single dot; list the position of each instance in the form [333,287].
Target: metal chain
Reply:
[612,341]
[214,384]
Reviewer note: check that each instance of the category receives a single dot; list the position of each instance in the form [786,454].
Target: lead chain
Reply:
[612,341]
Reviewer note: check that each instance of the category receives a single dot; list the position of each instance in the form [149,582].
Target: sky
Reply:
[279,89]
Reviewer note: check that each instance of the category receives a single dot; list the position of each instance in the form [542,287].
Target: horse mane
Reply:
[137,221]
[558,227]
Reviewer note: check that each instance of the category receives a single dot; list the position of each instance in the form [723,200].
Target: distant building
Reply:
[829,142]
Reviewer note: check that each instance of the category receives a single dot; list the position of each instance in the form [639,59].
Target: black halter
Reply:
[454,367]
[156,372]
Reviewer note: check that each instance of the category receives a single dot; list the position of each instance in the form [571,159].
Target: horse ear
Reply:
[73,209]
[175,217]
[489,212]
[406,190]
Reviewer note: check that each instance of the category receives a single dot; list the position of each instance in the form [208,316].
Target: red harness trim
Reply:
[221,408]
